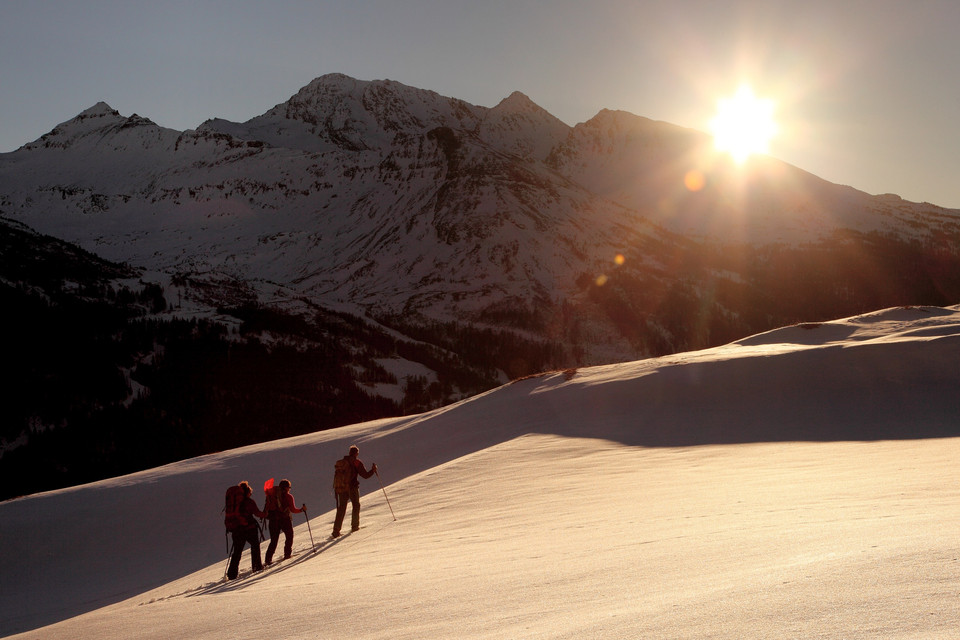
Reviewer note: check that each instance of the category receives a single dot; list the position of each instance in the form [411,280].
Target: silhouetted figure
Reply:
[346,486]
[278,518]
[246,532]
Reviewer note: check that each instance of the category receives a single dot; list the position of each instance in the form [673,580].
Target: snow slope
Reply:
[796,483]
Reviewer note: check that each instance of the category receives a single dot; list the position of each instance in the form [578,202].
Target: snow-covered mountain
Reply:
[373,194]
[384,197]
[799,482]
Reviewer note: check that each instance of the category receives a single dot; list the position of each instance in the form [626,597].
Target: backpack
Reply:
[342,474]
[271,504]
[233,519]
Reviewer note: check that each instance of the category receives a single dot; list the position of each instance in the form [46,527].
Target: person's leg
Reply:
[238,542]
[355,513]
[253,537]
[341,512]
[288,537]
[274,538]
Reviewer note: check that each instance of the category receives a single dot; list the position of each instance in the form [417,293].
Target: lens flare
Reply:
[694,180]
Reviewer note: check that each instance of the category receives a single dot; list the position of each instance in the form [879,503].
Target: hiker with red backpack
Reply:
[240,519]
[346,487]
[280,504]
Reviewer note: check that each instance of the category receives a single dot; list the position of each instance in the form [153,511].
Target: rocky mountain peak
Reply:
[520,126]
[518,102]
[98,110]
[66,133]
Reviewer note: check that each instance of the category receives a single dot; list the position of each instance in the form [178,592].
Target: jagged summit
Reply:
[518,102]
[524,127]
[66,133]
[619,120]
[336,95]
[334,79]
[100,119]
[99,109]
[336,111]
[325,87]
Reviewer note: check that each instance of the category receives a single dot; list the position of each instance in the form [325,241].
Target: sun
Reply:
[744,124]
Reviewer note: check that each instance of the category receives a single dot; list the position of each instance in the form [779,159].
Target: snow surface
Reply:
[798,483]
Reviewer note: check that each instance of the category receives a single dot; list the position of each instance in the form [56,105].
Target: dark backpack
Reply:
[271,502]
[342,474]
[233,520]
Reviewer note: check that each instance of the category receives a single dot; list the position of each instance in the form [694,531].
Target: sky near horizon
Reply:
[865,91]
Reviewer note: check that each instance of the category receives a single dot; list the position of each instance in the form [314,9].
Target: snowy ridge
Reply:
[373,193]
[566,488]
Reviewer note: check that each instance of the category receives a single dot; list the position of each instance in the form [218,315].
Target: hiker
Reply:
[279,509]
[346,486]
[246,531]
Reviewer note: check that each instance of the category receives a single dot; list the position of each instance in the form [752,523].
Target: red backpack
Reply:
[233,519]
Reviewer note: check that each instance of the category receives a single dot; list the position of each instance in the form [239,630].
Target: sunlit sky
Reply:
[865,92]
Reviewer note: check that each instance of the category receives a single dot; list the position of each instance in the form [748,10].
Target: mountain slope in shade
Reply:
[643,165]
[731,481]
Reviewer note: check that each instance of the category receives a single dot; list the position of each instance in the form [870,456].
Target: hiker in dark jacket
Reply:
[279,520]
[352,494]
[249,532]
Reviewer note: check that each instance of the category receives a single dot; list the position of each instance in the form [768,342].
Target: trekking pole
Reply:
[312,545]
[226,567]
[385,495]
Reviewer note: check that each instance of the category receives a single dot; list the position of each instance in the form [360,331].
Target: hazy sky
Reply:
[867,92]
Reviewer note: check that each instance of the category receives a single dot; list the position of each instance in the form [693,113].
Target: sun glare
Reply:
[743,125]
